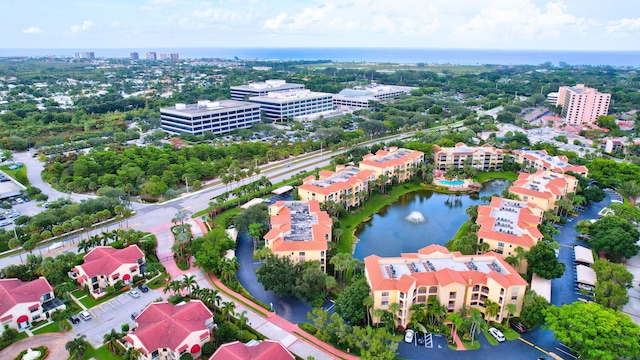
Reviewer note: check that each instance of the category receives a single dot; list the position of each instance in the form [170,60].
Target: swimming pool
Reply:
[451,182]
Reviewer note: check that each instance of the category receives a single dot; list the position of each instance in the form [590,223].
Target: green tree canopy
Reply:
[542,261]
[612,285]
[594,332]
[350,302]
[615,236]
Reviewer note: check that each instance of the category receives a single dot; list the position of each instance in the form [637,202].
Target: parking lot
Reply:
[112,314]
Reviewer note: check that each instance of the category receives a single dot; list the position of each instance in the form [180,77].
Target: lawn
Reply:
[51,328]
[101,353]
[377,201]
[464,229]
[482,177]
[90,302]
[490,338]
[20,175]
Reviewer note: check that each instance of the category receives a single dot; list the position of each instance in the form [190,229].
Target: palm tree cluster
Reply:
[128,237]
[210,297]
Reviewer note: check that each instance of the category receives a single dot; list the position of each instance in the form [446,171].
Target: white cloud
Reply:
[86,25]
[32,30]
[623,26]
[520,19]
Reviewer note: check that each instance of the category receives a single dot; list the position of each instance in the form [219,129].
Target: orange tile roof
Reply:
[311,184]
[369,159]
[281,224]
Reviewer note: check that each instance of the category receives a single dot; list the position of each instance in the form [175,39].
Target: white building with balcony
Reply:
[280,106]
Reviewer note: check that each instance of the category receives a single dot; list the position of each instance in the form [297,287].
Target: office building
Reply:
[282,105]
[347,185]
[453,279]
[360,96]
[244,92]
[219,117]
[134,56]
[485,157]
[507,224]
[299,231]
[396,163]
[541,160]
[582,104]
[167,331]
[151,56]
[544,188]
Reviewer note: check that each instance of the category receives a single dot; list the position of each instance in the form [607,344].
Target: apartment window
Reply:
[452,295]
[476,288]
[401,295]
[385,293]
[433,290]
[451,304]
[422,290]
[35,310]
[46,296]
[384,302]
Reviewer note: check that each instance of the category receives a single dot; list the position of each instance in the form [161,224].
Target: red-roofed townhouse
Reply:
[485,157]
[300,231]
[104,265]
[507,224]
[541,160]
[395,163]
[21,303]
[544,188]
[455,280]
[263,350]
[348,185]
[166,331]
[612,145]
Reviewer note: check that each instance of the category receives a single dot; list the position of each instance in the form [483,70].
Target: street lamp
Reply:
[186,179]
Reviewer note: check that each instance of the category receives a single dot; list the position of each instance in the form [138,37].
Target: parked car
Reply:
[134,293]
[408,336]
[133,315]
[585,287]
[144,288]
[420,337]
[85,315]
[74,319]
[497,334]
[5,223]
[518,326]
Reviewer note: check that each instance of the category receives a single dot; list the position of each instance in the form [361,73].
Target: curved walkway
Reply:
[267,323]
[54,341]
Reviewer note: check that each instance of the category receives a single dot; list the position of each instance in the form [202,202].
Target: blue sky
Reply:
[485,24]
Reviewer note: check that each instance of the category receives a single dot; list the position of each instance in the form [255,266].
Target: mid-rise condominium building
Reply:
[359,96]
[544,188]
[394,162]
[582,104]
[485,157]
[541,160]
[219,117]
[347,185]
[283,105]
[134,56]
[151,56]
[507,224]
[244,92]
[455,280]
[299,231]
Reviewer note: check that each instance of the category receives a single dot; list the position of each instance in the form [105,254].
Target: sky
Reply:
[451,24]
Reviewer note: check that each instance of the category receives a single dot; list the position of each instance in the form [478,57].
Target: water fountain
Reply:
[415,217]
[31,354]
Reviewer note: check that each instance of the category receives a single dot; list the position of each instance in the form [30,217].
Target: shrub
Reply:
[245,336]
[308,328]
[186,356]
[208,349]
[175,299]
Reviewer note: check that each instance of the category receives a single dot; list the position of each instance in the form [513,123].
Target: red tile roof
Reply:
[164,325]
[281,226]
[104,260]
[265,350]
[15,291]
[311,184]
[527,223]
[369,159]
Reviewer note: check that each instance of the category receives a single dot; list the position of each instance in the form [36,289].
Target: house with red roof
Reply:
[299,231]
[541,160]
[393,162]
[544,188]
[166,331]
[612,145]
[507,224]
[455,280]
[347,185]
[22,303]
[104,265]
[253,350]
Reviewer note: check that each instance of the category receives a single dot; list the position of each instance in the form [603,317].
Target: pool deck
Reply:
[466,185]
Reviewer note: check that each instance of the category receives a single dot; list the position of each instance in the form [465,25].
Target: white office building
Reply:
[243,92]
[219,117]
[278,106]
[359,96]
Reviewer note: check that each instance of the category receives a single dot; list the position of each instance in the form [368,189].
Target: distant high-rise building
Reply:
[134,56]
[152,56]
[173,56]
[581,104]
[85,55]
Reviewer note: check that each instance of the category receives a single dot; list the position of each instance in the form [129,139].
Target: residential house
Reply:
[22,303]
[253,350]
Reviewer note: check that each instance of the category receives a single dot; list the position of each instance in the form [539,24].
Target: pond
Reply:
[416,220]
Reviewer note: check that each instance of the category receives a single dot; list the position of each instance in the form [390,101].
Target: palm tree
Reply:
[132,354]
[111,340]
[368,303]
[511,309]
[394,308]
[60,318]
[476,321]
[188,281]
[456,321]
[491,309]
[227,309]
[77,347]
[229,269]
[242,318]
[378,314]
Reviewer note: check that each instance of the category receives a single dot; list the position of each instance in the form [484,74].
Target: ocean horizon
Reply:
[367,55]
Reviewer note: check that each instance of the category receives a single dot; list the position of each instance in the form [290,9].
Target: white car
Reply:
[585,286]
[408,336]
[85,315]
[134,293]
[497,334]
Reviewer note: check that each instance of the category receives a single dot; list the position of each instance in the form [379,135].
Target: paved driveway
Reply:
[53,341]
[112,314]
